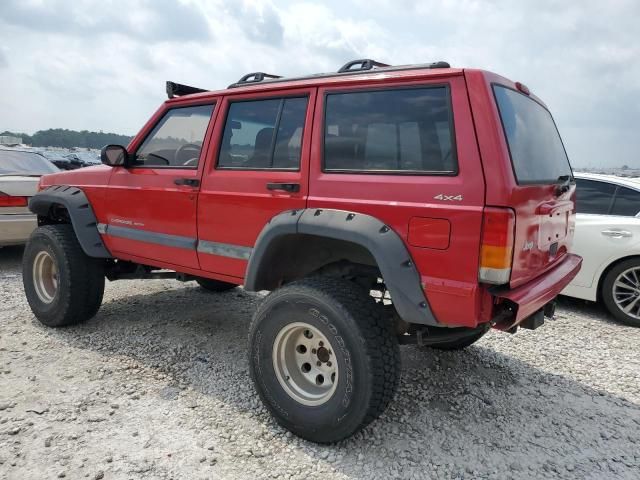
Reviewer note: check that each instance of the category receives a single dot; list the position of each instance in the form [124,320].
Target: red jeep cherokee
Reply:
[380,204]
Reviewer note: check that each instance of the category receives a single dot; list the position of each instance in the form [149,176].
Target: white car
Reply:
[19,175]
[607,237]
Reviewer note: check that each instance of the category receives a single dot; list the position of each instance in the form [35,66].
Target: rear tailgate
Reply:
[527,170]
[544,231]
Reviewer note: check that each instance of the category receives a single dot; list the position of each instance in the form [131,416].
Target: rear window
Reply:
[390,131]
[537,153]
[17,162]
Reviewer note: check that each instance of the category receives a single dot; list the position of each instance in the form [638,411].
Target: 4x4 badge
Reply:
[448,198]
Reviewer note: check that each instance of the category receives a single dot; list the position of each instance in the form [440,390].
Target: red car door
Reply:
[152,202]
[405,153]
[258,168]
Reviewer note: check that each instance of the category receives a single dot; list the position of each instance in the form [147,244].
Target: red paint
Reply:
[535,294]
[443,237]
[429,232]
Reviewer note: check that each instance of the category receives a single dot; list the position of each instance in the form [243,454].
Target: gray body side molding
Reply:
[396,265]
[81,214]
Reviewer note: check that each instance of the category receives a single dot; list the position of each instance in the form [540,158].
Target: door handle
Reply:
[287,187]
[189,182]
[616,233]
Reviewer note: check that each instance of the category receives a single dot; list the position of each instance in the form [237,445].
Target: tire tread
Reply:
[380,342]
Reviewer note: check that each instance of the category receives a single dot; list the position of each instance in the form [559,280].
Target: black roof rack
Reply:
[253,77]
[366,64]
[178,90]
[350,68]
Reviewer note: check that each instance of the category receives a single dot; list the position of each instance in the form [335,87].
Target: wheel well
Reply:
[56,214]
[298,255]
[610,267]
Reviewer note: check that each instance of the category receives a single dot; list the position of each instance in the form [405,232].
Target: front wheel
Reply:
[621,292]
[63,285]
[323,359]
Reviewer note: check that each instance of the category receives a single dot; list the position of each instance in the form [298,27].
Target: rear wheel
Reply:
[215,285]
[621,292]
[62,284]
[323,358]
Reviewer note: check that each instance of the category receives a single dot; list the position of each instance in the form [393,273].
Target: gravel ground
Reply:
[156,386]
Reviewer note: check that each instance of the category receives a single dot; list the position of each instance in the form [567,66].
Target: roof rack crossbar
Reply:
[178,90]
[253,77]
[365,64]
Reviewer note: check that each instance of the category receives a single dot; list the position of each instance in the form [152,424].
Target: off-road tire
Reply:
[368,357]
[80,278]
[460,343]
[607,292]
[215,285]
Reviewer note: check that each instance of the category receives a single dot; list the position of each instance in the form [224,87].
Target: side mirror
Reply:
[114,156]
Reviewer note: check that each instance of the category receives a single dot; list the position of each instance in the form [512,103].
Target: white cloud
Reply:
[102,65]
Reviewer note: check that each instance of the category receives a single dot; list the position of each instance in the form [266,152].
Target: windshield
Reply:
[537,153]
[15,162]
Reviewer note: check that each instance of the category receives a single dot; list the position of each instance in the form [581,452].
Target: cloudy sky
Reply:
[101,65]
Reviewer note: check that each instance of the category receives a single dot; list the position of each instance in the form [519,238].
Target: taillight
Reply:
[11,201]
[496,249]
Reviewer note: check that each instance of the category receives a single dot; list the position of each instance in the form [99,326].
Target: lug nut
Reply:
[313,350]
[319,363]
[328,364]
[321,344]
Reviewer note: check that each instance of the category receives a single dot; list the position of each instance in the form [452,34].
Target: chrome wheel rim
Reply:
[305,364]
[45,277]
[626,292]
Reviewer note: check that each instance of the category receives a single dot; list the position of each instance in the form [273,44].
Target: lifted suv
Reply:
[380,204]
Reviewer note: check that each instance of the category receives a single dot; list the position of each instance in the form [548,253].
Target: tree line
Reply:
[60,137]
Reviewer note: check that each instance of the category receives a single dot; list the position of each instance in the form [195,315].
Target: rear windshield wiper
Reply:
[564,184]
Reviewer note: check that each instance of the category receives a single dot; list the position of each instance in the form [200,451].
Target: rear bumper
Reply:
[529,298]
[15,229]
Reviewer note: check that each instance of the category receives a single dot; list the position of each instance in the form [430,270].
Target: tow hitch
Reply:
[537,319]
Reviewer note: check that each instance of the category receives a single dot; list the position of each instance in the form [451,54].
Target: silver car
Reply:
[20,172]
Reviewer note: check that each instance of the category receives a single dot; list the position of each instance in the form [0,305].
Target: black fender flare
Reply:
[385,245]
[83,220]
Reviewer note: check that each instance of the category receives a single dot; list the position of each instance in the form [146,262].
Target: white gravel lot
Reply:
[156,386]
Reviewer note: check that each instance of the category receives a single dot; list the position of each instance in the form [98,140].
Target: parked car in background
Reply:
[20,172]
[607,237]
[69,161]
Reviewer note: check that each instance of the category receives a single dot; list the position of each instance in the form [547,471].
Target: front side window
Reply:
[176,141]
[390,131]
[537,153]
[261,134]
[626,202]
[594,197]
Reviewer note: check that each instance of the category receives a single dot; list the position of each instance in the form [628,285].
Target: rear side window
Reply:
[594,197]
[537,153]
[263,134]
[626,202]
[390,131]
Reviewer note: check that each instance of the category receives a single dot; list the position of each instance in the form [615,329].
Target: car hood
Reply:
[96,175]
